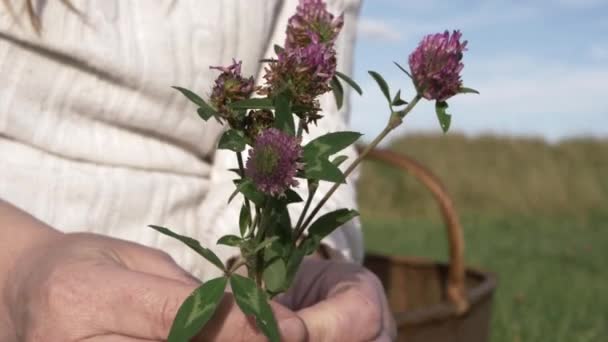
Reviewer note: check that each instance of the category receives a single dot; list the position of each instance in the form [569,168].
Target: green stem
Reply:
[239,158]
[300,128]
[237,264]
[394,122]
[312,190]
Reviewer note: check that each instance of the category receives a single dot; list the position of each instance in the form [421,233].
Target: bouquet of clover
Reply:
[271,246]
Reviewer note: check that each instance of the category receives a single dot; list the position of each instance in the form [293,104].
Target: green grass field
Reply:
[537,216]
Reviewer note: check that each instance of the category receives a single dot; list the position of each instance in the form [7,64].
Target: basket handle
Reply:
[456,278]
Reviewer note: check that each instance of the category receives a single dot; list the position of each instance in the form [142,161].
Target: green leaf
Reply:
[274,275]
[244,220]
[255,103]
[194,244]
[292,196]
[327,223]
[465,90]
[278,49]
[339,160]
[382,84]
[397,101]
[191,96]
[403,69]
[338,91]
[323,169]
[254,301]
[295,259]
[350,82]
[248,189]
[206,113]
[265,244]
[232,140]
[329,144]
[230,240]
[445,119]
[283,114]
[197,310]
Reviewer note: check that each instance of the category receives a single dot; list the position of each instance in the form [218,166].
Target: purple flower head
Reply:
[273,161]
[436,65]
[312,21]
[230,86]
[305,71]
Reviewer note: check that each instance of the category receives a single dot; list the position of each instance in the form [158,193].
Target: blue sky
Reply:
[541,66]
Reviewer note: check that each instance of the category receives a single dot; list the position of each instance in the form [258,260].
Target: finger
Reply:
[153,261]
[144,306]
[389,332]
[230,324]
[116,338]
[137,304]
[350,314]
[385,338]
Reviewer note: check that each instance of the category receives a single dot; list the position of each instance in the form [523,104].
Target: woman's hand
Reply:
[340,301]
[85,287]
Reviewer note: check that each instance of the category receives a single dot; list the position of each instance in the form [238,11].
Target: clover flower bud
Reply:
[436,65]
[230,86]
[312,21]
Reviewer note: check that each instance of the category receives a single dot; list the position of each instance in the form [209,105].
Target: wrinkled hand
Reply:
[340,301]
[85,287]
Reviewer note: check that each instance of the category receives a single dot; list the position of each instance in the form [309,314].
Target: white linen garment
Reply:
[92,137]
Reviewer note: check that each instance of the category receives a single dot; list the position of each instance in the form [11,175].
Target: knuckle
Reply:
[162,255]
[59,292]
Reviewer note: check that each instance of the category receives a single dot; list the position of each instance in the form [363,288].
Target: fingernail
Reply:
[293,329]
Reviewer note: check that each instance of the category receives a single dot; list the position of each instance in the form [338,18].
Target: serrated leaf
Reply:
[445,119]
[327,223]
[232,140]
[194,245]
[329,144]
[339,160]
[323,169]
[283,114]
[230,240]
[403,69]
[197,310]
[254,301]
[255,103]
[465,90]
[350,82]
[244,220]
[338,91]
[382,84]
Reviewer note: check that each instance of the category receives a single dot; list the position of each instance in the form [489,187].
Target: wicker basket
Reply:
[435,301]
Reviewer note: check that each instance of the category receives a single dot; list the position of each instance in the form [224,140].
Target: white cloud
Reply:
[377,29]
[519,96]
